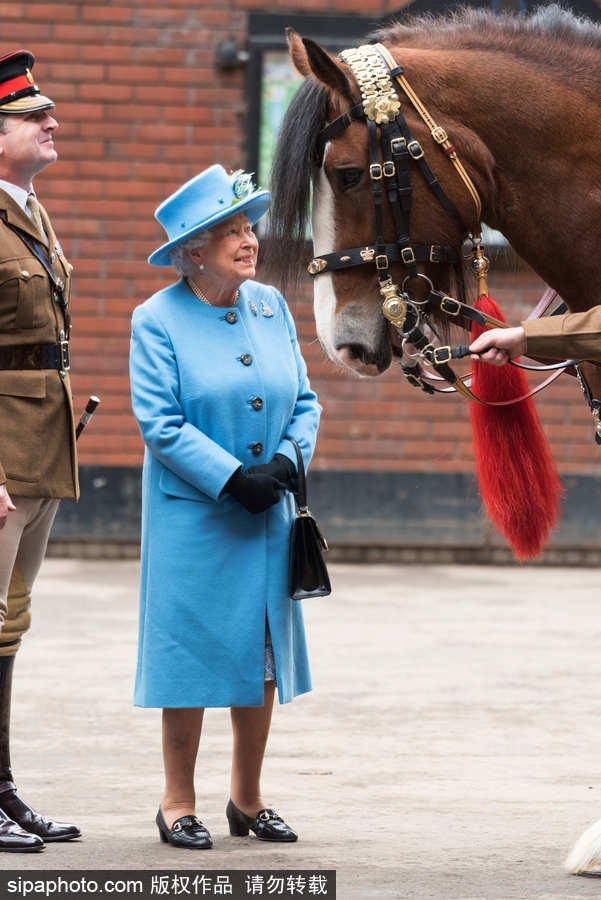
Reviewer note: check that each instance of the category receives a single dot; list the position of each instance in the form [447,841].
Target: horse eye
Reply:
[348,178]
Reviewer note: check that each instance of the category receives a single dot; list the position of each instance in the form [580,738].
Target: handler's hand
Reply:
[499,345]
[6,505]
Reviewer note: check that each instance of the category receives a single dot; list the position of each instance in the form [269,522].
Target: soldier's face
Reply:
[27,144]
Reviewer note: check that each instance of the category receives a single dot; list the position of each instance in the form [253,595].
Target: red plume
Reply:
[519,484]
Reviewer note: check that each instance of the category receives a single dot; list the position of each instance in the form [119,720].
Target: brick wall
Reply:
[141,109]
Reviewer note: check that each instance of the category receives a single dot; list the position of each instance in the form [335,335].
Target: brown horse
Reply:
[509,137]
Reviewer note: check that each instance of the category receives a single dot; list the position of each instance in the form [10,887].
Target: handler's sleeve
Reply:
[307,410]
[571,336]
[176,443]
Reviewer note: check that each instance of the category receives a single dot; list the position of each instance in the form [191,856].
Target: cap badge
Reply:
[29,76]
[242,185]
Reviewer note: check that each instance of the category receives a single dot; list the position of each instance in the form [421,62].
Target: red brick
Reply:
[12,11]
[110,93]
[107,13]
[27,32]
[134,74]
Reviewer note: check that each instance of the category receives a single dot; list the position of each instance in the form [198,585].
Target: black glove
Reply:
[256,492]
[280,467]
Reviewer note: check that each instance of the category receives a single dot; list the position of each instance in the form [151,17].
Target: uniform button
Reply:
[231,317]
[257,449]
[257,403]
[53,257]
[246,359]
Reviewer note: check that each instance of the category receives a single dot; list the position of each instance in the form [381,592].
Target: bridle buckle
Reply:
[398,144]
[439,134]
[375,171]
[408,256]
[381,261]
[389,169]
[415,149]
[451,306]
[441,355]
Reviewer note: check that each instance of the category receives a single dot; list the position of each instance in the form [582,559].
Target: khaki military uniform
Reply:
[38,459]
[571,336]
[37,436]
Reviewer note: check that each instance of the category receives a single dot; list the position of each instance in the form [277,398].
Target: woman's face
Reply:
[231,254]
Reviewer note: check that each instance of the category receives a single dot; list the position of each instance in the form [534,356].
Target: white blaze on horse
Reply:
[408,144]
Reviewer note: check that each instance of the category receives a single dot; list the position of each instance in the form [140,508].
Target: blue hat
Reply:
[204,201]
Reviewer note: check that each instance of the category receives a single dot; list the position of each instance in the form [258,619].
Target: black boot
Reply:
[15,840]
[28,822]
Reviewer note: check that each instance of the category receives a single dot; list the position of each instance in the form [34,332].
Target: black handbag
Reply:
[308,573]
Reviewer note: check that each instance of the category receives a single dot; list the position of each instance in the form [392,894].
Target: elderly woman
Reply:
[218,384]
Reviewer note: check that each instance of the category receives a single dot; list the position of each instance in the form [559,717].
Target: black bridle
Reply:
[393,151]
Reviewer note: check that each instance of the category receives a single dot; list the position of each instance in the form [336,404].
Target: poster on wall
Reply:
[279,84]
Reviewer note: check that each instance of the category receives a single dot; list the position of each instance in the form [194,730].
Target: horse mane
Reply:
[552,36]
[295,163]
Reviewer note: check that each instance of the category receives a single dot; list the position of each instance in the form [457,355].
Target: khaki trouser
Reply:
[23,542]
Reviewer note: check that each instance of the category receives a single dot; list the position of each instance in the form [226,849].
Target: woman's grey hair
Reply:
[181,262]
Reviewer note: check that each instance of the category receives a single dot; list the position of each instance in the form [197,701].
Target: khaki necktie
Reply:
[36,217]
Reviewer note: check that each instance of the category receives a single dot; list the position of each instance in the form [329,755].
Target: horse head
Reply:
[348,305]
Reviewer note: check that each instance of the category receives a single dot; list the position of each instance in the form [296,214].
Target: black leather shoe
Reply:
[188,831]
[267,825]
[14,840]
[32,822]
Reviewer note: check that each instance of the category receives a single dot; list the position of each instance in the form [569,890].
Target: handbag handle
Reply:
[301,493]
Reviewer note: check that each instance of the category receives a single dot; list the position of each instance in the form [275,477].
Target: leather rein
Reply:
[393,151]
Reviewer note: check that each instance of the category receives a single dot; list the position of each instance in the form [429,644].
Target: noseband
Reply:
[393,150]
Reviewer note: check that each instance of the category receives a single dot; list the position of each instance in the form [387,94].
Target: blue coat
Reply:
[211,571]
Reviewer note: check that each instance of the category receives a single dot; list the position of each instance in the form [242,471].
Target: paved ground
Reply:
[450,748]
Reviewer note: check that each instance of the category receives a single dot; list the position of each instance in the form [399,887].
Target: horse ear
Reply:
[298,54]
[309,59]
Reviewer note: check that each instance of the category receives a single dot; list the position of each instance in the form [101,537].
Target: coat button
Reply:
[231,317]
[257,403]
[246,359]
[257,449]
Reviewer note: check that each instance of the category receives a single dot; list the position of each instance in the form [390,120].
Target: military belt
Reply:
[36,356]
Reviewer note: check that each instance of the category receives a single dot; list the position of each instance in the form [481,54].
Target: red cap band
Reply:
[15,84]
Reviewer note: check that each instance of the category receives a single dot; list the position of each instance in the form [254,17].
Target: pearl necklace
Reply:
[203,297]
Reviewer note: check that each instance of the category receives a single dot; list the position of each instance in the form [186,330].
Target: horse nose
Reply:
[361,338]
[370,362]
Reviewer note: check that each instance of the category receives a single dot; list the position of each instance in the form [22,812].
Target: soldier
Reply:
[38,462]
